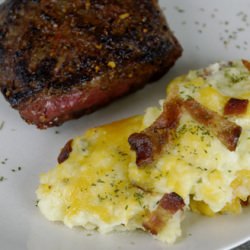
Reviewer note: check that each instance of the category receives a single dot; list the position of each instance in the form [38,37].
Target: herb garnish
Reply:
[2,125]
[2,178]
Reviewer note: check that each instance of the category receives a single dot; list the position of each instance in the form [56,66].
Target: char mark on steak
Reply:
[62,59]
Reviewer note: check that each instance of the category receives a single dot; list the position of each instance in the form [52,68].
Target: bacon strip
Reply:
[65,152]
[167,207]
[226,131]
[246,64]
[148,144]
[235,107]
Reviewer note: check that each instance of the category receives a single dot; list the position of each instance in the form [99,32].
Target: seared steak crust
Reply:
[61,59]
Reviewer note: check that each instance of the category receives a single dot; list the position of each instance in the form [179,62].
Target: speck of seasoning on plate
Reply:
[241,29]
[179,9]
[2,125]
[15,170]
[57,132]
[3,162]
[36,203]
[2,178]
[244,17]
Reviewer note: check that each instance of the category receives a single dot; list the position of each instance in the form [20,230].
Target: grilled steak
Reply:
[62,59]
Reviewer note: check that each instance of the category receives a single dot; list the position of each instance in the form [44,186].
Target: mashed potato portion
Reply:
[99,186]
[92,188]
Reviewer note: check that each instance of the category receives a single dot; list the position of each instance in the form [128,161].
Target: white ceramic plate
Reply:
[209,31]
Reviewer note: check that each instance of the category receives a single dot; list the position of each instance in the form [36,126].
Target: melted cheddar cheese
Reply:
[92,188]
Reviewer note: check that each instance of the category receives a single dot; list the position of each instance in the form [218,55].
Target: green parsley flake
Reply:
[2,125]
[2,178]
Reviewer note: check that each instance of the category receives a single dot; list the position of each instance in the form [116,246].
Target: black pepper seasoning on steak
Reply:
[62,59]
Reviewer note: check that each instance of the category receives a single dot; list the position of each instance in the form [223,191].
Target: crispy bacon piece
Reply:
[246,64]
[144,146]
[235,107]
[149,143]
[226,131]
[65,152]
[167,207]
[172,202]
[246,202]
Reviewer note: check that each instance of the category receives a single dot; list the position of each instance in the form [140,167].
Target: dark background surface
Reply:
[245,246]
